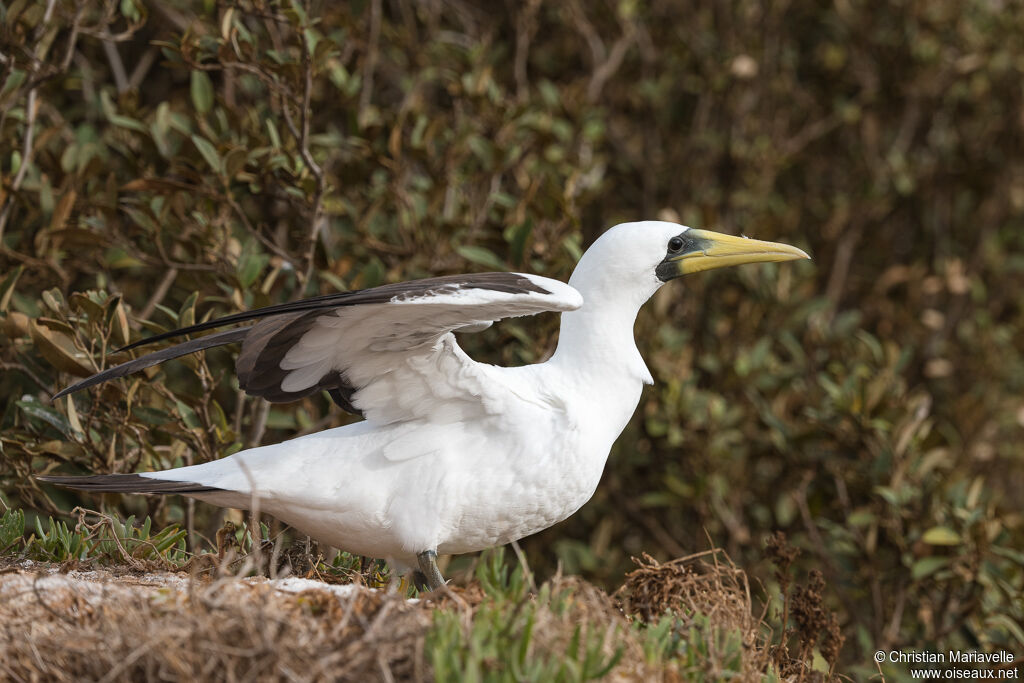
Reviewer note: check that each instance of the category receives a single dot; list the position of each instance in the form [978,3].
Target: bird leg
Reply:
[428,569]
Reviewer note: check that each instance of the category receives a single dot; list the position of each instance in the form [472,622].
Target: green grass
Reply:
[103,540]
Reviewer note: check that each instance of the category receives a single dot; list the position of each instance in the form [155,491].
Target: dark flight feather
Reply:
[127,483]
[151,359]
[510,283]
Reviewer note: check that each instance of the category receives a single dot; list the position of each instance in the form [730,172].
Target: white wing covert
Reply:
[387,353]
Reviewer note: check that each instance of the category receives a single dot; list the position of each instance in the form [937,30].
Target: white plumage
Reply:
[454,456]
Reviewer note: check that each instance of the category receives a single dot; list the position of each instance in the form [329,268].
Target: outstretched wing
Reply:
[387,352]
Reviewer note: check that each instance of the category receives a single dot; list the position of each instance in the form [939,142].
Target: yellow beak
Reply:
[705,250]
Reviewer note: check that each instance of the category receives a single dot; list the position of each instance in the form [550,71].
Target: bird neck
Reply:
[595,343]
[598,365]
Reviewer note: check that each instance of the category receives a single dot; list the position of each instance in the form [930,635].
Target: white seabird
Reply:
[453,456]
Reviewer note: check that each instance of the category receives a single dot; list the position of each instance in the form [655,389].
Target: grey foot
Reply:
[428,570]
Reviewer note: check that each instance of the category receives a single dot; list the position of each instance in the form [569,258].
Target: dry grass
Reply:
[705,583]
[119,624]
[708,596]
[709,599]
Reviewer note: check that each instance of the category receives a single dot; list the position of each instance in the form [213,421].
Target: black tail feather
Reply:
[128,483]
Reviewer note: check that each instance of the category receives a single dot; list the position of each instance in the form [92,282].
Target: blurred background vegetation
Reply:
[162,163]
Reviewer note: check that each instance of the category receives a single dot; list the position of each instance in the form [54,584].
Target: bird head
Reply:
[689,250]
[650,253]
[669,250]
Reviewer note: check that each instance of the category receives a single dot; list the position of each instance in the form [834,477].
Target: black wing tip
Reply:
[136,344]
[149,340]
[126,483]
[130,367]
[98,378]
[67,391]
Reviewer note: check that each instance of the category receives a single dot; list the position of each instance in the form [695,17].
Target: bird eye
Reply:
[675,244]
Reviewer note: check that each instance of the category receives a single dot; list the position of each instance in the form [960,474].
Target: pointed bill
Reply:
[706,250]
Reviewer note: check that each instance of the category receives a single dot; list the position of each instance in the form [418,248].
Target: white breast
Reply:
[391,491]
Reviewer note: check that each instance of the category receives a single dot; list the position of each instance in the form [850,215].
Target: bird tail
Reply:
[129,483]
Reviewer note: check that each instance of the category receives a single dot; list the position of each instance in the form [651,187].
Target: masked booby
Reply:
[453,456]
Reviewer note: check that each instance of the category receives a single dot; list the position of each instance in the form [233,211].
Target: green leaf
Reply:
[188,416]
[516,236]
[159,126]
[151,416]
[275,137]
[129,123]
[859,518]
[889,495]
[279,419]
[54,300]
[1006,622]
[12,527]
[130,10]
[209,153]
[187,313]
[167,538]
[235,161]
[481,255]
[201,89]
[927,566]
[33,408]
[59,350]
[250,263]
[107,105]
[1013,555]
[941,535]
[572,245]
[13,82]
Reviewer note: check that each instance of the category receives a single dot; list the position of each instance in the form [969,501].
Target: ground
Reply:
[691,619]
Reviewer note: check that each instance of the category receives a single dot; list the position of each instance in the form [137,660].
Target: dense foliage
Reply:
[166,162]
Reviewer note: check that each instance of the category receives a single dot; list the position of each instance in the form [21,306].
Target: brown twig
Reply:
[31,109]
[301,136]
[269,79]
[264,240]
[143,66]
[526,27]
[260,412]
[370,64]
[116,66]
[651,524]
[21,367]
[581,22]
[605,62]
[606,69]
[158,295]
[800,497]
